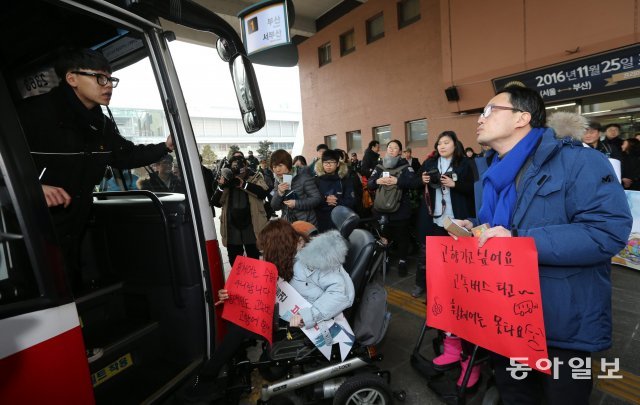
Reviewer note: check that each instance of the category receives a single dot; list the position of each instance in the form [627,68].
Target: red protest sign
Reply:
[489,296]
[252,295]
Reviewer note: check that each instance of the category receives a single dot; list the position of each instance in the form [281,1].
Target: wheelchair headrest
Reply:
[345,220]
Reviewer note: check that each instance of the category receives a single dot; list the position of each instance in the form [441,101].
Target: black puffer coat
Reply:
[75,145]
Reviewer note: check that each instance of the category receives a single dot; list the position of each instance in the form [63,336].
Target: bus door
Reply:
[139,324]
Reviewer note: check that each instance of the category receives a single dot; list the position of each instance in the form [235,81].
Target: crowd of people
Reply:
[552,182]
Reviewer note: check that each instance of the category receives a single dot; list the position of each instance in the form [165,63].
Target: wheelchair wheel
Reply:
[271,372]
[364,389]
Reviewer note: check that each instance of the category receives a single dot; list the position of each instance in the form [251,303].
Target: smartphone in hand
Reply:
[454,228]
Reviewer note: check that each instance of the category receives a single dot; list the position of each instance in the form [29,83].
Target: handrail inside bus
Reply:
[157,203]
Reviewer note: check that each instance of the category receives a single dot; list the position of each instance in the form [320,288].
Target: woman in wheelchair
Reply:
[315,271]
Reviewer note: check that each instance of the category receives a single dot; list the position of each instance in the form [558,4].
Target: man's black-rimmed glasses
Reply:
[100,78]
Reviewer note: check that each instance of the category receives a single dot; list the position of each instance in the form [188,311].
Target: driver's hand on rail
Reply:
[56,196]
[296,321]
[169,142]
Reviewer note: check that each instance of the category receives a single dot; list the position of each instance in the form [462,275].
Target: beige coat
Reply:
[256,206]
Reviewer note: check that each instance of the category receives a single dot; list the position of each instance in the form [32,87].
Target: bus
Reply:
[150,259]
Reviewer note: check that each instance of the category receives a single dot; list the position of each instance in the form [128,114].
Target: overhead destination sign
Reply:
[266,28]
[603,73]
[265,32]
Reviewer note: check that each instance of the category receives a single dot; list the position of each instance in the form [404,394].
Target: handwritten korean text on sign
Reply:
[252,295]
[489,296]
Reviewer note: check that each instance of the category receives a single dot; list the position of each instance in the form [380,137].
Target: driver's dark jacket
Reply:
[75,145]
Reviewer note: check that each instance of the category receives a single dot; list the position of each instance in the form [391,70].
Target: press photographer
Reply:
[240,194]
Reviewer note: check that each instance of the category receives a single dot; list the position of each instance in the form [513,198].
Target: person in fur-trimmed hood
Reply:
[319,277]
[334,186]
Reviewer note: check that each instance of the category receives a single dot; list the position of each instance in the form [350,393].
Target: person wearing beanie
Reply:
[334,185]
[305,228]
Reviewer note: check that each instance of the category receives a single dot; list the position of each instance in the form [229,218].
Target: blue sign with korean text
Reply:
[603,73]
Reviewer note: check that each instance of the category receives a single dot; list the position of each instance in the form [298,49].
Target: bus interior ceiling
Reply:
[34,30]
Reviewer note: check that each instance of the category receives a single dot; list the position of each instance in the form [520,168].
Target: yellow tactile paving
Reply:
[627,387]
[405,301]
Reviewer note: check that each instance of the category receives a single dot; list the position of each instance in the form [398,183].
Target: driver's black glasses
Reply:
[100,78]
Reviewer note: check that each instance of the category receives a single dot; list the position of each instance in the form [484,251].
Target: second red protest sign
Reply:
[489,296]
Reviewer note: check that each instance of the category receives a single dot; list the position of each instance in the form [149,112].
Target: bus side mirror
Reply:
[225,49]
[245,84]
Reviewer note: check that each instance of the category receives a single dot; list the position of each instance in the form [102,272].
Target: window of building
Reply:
[347,43]
[408,12]
[331,141]
[324,54]
[375,28]
[417,132]
[354,141]
[382,134]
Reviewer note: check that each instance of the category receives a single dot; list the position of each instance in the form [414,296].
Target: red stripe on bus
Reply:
[55,371]
[216,275]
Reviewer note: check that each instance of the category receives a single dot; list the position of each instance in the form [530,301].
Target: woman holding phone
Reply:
[295,191]
[448,181]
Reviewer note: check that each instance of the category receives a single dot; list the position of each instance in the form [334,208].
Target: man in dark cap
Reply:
[592,138]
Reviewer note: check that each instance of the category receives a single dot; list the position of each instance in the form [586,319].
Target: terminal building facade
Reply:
[219,129]
[410,69]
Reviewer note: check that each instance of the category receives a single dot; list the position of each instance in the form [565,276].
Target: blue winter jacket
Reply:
[570,202]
